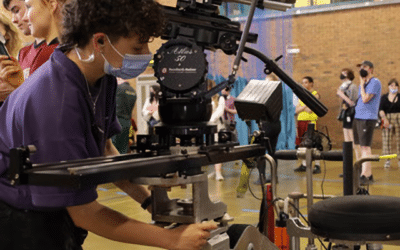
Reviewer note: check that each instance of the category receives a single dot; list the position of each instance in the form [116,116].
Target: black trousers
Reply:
[38,230]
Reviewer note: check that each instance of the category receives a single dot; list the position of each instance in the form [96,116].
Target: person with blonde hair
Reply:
[11,35]
[44,18]
[12,44]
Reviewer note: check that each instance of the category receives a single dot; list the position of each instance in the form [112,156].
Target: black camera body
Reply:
[181,68]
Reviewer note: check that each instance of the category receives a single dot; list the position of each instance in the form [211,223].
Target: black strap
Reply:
[146,203]
[392,103]
[365,86]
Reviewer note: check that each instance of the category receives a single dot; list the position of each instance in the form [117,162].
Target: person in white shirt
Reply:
[218,104]
[150,109]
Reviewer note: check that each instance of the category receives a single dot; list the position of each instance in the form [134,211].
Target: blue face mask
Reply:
[132,65]
[393,91]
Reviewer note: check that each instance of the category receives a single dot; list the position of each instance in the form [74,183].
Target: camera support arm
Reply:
[243,39]
[313,103]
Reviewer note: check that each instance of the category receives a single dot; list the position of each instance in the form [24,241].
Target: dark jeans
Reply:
[38,230]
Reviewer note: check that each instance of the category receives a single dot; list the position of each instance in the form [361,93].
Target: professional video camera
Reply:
[180,66]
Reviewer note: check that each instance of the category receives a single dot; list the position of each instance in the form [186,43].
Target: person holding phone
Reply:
[10,45]
[44,22]
[367,108]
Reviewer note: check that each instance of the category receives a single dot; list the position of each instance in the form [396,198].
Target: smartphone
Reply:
[3,49]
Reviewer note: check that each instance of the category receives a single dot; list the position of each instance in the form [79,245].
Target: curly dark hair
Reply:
[116,18]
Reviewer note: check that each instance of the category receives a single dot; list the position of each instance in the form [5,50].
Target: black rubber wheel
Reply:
[357,217]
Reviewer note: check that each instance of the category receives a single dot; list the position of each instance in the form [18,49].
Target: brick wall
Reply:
[330,41]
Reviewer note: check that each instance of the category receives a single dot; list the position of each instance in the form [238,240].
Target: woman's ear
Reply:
[53,5]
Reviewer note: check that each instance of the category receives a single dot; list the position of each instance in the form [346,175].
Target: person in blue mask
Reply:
[389,112]
[67,109]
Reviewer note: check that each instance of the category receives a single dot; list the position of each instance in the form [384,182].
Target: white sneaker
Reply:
[219,177]
[240,195]
[387,164]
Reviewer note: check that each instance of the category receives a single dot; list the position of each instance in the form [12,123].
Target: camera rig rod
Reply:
[243,39]
[266,4]
[100,170]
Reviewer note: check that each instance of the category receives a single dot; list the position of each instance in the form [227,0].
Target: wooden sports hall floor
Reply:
[245,210]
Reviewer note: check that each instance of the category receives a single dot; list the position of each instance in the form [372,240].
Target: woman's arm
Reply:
[145,111]
[299,109]
[231,111]
[344,97]
[384,118]
[383,107]
[219,111]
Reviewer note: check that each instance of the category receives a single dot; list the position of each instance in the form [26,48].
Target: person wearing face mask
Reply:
[348,93]
[389,111]
[67,109]
[366,115]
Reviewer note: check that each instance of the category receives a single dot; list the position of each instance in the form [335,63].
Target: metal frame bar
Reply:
[89,172]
